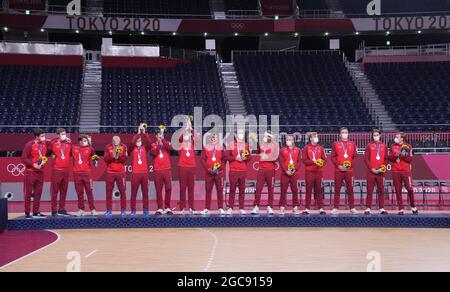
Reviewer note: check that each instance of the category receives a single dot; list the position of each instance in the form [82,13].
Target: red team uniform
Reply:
[344,151]
[115,173]
[211,155]
[60,178]
[162,173]
[34,178]
[187,168]
[266,174]
[238,172]
[314,174]
[375,156]
[401,173]
[140,166]
[290,155]
[82,157]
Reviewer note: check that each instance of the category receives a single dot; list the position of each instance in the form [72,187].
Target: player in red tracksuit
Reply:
[290,160]
[213,161]
[269,153]
[239,157]
[401,158]
[160,151]
[82,155]
[376,158]
[138,149]
[34,156]
[343,154]
[116,156]
[187,166]
[313,155]
[61,148]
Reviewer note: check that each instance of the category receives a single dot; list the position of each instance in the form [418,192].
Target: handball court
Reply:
[225,250]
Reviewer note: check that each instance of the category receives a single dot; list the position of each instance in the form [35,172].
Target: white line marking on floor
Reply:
[34,252]
[213,250]
[91,254]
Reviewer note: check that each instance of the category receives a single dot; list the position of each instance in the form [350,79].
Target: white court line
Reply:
[213,250]
[34,252]
[91,254]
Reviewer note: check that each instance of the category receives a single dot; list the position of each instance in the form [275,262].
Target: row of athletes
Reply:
[214,158]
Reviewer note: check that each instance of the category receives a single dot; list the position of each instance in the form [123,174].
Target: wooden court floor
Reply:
[246,250]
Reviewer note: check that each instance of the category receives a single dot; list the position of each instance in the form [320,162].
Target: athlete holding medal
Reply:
[138,149]
[376,159]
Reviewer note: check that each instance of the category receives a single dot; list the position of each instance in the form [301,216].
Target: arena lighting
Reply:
[110,32]
[205,34]
[142,33]
[296,34]
[42,30]
[77,31]
[174,33]
[327,34]
[419,32]
[357,33]
[236,34]
[266,34]
[388,33]
[277,17]
[5,29]
[27,12]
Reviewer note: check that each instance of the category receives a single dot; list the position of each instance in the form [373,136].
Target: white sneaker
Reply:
[230,211]
[306,212]
[322,212]
[282,211]
[242,212]
[182,212]
[94,213]
[383,212]
[192,212]
[168,211]
[159,212]
[204,212]
[335,211]
[354,211]
[270,211]
[368,211]
[295,211]
[255,211]
[222,212]
[80,213]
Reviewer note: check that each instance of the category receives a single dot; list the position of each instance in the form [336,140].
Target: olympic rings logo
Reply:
[238,26]
[16,170]
[256,166]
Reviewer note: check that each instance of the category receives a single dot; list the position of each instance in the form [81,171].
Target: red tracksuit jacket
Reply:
[269,149]
[61,150]
[238,148]
[208,155]
[405,164]
[311,152]
[287,154]
[338,152]
[113,165]
[140,152]
[374,150]
[156,150]
[83,154]
[32,154]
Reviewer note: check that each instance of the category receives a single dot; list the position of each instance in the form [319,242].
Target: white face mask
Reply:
[241,137]
[344,136]
[315,140]
[397,141]
[289,143]
[63,137]
[85,144]
[377,138]
[139,144]
[186,138]
[42,139]
[266,140]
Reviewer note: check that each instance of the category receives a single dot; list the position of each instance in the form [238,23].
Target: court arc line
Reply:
[213,250]
[58,238]
[91,254]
